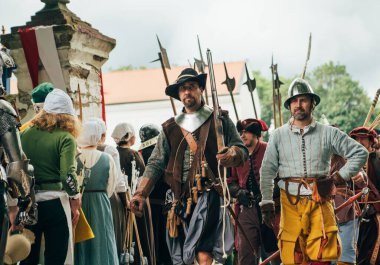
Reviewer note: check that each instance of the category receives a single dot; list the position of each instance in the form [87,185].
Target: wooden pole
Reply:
[167,82]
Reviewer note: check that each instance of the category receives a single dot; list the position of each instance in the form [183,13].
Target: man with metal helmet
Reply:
[369,233]
[244,186]
[17,181]
[187,152]
[149,136]
[299,152]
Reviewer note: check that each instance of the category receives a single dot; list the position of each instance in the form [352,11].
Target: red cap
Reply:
[254,126]
[363,132]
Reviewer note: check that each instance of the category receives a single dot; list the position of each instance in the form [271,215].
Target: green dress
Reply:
[96,206]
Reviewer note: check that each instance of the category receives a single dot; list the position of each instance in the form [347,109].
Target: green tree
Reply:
[265,91]
[343,101]
[129,68]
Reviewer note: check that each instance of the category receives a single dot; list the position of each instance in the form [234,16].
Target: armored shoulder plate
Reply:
[192,121]
[6,107]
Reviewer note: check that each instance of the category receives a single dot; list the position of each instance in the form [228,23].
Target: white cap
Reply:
[101,123]
[90,135]
[123,132]
[58,102]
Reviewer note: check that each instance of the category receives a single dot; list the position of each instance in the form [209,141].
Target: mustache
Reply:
[299,109]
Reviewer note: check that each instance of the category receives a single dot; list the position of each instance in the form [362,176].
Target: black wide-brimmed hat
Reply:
[187,74]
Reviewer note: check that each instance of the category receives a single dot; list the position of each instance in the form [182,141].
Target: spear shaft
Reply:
[80,104]
[202,68]
[230,83]
[254,106]
[372,108]
[233,103]
[167,81]
[274,96]
[279,106]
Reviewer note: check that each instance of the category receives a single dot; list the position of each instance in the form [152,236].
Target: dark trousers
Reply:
[53,224]
[159,229]
[249,220]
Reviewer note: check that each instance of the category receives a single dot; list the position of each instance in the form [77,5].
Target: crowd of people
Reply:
[192,193]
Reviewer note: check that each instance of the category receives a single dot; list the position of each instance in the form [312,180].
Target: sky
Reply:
[344,31]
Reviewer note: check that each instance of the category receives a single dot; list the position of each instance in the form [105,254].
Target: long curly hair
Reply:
[51,121]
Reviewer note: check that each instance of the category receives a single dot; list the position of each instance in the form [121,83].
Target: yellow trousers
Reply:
[309,227]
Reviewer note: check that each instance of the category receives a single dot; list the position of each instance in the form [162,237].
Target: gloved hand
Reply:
[230,157]
[137,204]
[144,188]
[244,197]
[267,213]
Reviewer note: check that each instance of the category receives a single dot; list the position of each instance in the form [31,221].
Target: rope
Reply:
[226,203]
[355,226]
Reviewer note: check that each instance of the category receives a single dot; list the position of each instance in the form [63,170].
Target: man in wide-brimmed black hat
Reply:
[186,155]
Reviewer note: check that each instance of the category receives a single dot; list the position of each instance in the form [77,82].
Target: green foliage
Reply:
[129,68]
[343,101]
[265,91]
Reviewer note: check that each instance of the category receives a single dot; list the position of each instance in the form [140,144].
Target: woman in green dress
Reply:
[50,144]
[96,206]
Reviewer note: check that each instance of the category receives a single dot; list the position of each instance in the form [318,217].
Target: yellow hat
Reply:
[18,246]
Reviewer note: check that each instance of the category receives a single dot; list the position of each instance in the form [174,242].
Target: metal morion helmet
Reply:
[148,131]
[299,87]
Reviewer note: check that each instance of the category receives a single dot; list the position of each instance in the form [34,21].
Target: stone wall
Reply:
[82,51]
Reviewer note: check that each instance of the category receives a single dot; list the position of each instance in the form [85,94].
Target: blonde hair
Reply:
[51,121]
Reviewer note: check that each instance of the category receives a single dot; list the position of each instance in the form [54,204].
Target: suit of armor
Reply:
[16,181]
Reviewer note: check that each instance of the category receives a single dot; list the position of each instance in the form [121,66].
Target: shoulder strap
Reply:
[190,140]
[198,146]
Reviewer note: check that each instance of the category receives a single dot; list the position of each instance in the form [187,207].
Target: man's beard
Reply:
[249,144]
[189,103]
[301,115]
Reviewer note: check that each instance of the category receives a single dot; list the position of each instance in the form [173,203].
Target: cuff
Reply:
[264,202]
[344,174]
[74,197]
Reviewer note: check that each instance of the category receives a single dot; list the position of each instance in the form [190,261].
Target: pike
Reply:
[276,83]
[251,84]
[349,201]
[200,63]
[80,104]
[220,143]
[307,58]
[372,108]
[215,103]
[230,83]
[164,60]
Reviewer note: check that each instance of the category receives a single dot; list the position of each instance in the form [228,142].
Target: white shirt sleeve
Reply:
[120,182]
[112,178]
